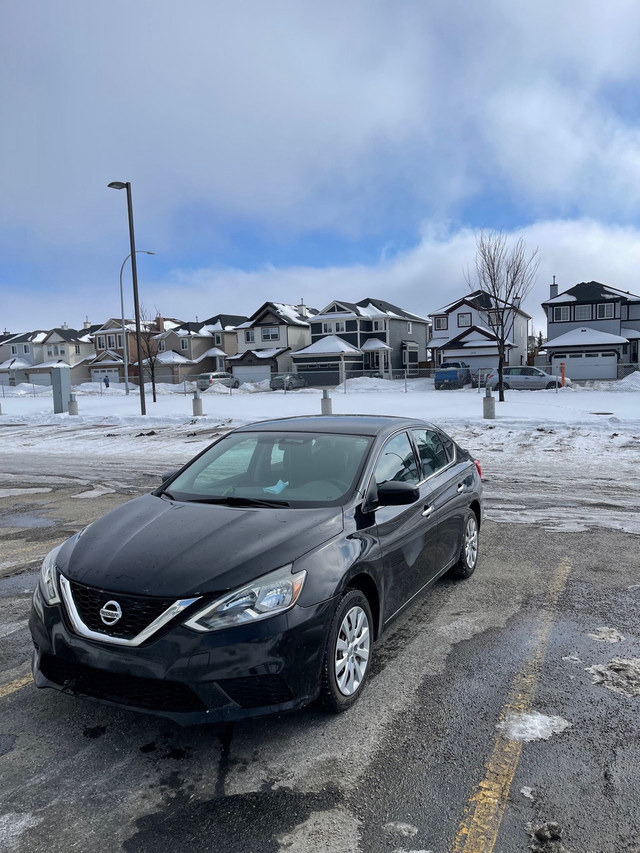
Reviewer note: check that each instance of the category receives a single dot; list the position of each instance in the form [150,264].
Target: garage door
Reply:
[588,365]
[251,374]
[111,372]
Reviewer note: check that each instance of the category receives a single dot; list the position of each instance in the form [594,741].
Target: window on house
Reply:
[119,341]
[327,328]
[49,352]
[62,350]
[340,326]
[605,311]
[77,349]
[160,346]
[111,341]
[409,328]
[441,324]
[184,344]
[14,349]
[249,336]
[217,339]
[464,320]
[583,312]
[493,318]
[26,349]
[270,333]
[379,325]
[100,342]
[560,313]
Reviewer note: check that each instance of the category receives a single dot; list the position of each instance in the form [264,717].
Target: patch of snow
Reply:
[95,492]
[10,493]
[622,675]
[527,792]
[532,726]
[408,830]
[572,658]
[607,635]
[12,825]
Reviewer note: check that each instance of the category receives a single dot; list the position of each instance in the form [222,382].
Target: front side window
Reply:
[560,313]
[119,341]
[340,326]
[379,325]
[14,349]
[184,344]
[441,323]
[409,328]
[397,462]
[464,320]
[270,333]
[249,336]
[327,328]
[218,339]
[100,342]
[111,341]
[77,349]
[286,469]
[26,349]
[433,452]
[160,346]
[605,311]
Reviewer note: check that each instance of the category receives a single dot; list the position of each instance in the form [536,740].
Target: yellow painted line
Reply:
[478,830]
[12,686]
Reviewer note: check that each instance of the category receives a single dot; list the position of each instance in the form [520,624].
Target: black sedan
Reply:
[257,578]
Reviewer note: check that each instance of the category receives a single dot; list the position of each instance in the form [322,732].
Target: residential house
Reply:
[370,337]
[593,329]
[267,339]
[18,353]
[462,331]
[191,348]
[111,347]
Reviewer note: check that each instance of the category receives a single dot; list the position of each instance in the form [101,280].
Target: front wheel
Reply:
[468,559]
[347,655]
[551,386]
[236,384]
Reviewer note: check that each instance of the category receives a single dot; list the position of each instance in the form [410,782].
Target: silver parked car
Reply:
[206,380]
[524,379]
[286,381]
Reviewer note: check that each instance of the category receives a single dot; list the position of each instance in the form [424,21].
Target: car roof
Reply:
[338,424]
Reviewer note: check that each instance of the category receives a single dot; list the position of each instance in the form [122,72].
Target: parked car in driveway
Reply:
[452,374]
[286,381]
[524,378]
[258,576]
[206,380]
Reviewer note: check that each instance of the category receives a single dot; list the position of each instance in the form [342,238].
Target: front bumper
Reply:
[270,666]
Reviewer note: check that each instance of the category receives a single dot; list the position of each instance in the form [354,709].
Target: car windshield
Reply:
[274,469]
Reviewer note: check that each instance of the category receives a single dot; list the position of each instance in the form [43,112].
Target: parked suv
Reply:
[206,380]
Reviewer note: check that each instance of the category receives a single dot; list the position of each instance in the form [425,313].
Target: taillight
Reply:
[476,462]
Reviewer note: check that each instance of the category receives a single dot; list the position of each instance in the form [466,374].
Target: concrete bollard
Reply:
[73,404]
[489,405]
[326,405]
[197,403]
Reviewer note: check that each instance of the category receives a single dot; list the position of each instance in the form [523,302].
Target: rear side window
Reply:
[397,462]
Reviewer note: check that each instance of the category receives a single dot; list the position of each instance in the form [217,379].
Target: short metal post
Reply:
[488,404]
[197,404]
[73,404]
[326,404]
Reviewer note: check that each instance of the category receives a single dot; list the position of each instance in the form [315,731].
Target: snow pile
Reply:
[622,675]
[25,389]
[607,635]
[629,383]
[533,726]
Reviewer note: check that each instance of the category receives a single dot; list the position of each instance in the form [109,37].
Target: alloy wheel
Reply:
[352,651]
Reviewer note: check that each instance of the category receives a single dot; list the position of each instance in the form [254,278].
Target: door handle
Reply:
[461,487]
[426,512]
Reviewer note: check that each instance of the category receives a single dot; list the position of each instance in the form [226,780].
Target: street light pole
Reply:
[125,343]
[126,185]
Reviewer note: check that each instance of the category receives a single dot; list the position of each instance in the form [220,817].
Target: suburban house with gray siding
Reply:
[593,329]
[191,348]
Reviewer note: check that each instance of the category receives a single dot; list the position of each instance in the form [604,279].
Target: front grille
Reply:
[128,690]
[256,691]
[137,611]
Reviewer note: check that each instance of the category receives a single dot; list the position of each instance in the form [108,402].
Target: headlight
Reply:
[271,594]
[48,581]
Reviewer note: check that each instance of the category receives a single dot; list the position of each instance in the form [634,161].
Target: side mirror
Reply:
[168,475]
[393,493]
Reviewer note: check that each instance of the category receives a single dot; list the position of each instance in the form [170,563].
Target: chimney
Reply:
[302,309]
[86,324]
[160,323]
[64,326]
[553,289]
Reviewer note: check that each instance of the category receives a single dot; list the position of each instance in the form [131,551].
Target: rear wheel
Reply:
[468,559]
[550,385]
[236,384]
[348,652]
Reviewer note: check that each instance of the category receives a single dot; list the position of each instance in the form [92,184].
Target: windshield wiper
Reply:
[168,494]
[233,500]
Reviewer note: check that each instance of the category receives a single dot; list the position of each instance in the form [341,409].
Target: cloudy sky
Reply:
[288,149]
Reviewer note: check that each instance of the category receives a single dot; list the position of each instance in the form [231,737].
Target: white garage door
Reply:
[251,374]
[590,365]
[98,375]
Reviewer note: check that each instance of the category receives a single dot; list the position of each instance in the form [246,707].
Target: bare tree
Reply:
[149,355]
[506,274]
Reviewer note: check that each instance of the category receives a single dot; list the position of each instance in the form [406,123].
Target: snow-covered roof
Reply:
[329,345]
[170,357]
[436,342]
[14,364]
[631,334]
[373,344]
[592,291]
[260,353]
[585,337]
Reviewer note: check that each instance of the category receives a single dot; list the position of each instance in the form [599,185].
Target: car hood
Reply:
[155,546]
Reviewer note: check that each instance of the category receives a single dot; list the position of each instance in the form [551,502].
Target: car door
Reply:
[408,535]
[449,480]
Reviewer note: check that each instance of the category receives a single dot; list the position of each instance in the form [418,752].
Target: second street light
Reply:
[126,185]
[125,347]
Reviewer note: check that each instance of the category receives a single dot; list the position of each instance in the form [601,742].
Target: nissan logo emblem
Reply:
[110,612]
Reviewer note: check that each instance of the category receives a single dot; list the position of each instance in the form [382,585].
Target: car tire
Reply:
[551,386]
[505,386]
[348,652]
[468,559]
[236,384]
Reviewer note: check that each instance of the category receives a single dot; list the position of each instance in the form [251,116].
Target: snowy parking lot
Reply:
[506,704]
